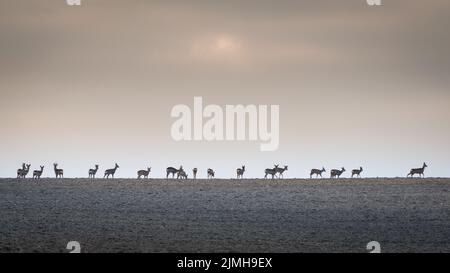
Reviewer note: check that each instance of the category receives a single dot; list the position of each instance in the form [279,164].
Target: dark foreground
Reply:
[404,215]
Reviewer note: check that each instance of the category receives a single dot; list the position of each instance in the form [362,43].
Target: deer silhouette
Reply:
[22,173]
[182,174]
[337,173]
[240,172]
[38,173]
[173,171]
[419,171]
[144,173]
[59,173]
[211,173]
[194,172]
[280,171]
[317,172]
[357,172]
[93,172]
[111,172]
[272,172]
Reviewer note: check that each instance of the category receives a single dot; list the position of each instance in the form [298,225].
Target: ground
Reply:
[158,215]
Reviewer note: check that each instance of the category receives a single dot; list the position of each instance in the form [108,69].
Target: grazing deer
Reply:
[357,172]
[194,172]
[419,171]
[173,171]
[272,172]
[37,174]
[317,172]
[182,174]
[24,172]
[337,173]
[111,172]
[211,173]
[59,173]
[93,172]
[240,172]
[280,171]
[144,173]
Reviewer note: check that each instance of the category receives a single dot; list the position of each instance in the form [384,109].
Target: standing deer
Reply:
[357,172]
[20,171]
[37,174]
[24,172]
[317,172]
[144,173]
[419,171]
[337,173]
[111,172]
[272,172]
[59,173]
[194,172]
[173,171]
[240,172]
[93,172]
[211,173]
[280,171]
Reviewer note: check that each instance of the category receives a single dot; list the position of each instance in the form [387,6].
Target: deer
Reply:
[37,173]
[240,172]
[59,173]
[24,172]
[194,172]
[144,173]
[182,174]
[111,172]
[272,172]
[173,171]
[337,173]
[280,171]
[317,172]
[357,172]
[211,173]
[20,171]
[93,172]
[419,171]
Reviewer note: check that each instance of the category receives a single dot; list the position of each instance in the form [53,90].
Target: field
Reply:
[157,215]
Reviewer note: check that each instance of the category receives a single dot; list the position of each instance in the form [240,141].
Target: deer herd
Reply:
[275,172]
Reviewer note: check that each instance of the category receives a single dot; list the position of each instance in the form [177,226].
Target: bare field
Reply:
[158,215]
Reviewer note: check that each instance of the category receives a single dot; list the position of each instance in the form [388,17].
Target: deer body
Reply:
[419,171]
[240,172]
[357,172]
[211,173]
[337,173]
[317,172]
[182,174]
[271,172]
[111,172]
[22,173]
[59,173]
[38,173]
[93,172]
[144,173]
[280,171]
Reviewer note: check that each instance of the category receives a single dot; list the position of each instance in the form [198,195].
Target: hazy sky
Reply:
[357,85]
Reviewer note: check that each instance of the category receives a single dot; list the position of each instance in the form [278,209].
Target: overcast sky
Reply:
[357,85]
